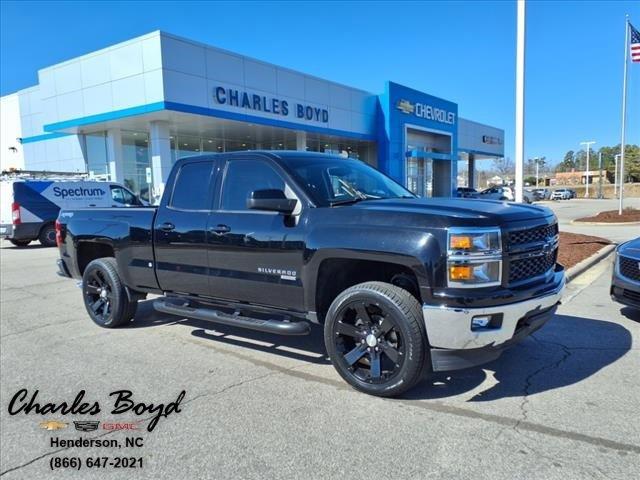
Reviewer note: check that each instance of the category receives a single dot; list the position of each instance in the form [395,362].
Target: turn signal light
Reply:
[460,242]
[460,272]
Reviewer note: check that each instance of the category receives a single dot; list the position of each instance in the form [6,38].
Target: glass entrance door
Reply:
[420,176]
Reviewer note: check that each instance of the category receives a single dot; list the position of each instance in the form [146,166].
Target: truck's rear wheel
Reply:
[47,235]
[374,336]
[105,297]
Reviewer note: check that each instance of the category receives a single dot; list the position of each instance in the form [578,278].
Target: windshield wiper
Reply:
[347,201]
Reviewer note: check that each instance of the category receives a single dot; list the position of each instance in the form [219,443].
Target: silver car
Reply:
[561,194]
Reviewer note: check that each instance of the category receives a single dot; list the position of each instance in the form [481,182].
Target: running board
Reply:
[280,327]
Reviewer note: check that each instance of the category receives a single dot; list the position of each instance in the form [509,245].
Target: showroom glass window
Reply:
[135,160]
[96,155]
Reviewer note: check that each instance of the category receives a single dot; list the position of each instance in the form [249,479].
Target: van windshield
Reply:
[339,181]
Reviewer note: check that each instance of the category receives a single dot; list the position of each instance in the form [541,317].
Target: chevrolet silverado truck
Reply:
[280,241]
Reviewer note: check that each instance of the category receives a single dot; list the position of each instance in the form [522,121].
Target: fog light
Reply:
[460,272]
[480,321]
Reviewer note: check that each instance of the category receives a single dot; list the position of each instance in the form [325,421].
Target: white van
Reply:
[29,208]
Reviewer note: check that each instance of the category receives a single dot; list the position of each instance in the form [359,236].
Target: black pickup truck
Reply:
[278,241]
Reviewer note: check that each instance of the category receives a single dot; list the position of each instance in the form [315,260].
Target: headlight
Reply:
[474,257]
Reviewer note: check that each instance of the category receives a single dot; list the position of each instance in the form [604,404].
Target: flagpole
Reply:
[624,111]
[520,65]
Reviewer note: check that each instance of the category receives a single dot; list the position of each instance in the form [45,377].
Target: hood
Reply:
[631,248]
[466,210]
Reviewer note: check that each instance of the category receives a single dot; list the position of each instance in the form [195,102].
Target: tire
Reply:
[105,297]
[374,335]
[20,243]
[47,235]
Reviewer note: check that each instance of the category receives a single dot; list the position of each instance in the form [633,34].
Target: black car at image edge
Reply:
[280,241]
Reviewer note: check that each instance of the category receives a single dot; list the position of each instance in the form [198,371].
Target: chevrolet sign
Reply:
[426,111]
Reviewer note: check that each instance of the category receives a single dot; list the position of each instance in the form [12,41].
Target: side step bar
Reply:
[280,327]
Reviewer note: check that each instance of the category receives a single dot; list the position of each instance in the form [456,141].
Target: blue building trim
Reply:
[210,112]
[44,136]
[105,117]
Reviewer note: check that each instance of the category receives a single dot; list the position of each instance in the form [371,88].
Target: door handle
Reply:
[167,227]
[220,229]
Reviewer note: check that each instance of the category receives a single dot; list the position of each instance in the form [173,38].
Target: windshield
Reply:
[333,180]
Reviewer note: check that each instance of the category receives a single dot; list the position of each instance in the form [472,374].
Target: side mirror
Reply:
[271,200]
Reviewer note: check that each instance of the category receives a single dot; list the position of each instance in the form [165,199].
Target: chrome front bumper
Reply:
[450,328]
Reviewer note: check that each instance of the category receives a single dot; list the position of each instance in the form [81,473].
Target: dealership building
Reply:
[126,113]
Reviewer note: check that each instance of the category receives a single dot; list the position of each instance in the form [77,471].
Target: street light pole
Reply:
[588,144]
[520,65]
[600,175]
[537,160]
[615,176]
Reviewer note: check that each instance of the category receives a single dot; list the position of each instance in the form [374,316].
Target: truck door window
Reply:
[245,176]
[191,190]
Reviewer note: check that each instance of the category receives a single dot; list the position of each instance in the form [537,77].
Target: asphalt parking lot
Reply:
[562,404]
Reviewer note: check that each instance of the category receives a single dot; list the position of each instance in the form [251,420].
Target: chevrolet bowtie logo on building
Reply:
[406,106]
[53,425]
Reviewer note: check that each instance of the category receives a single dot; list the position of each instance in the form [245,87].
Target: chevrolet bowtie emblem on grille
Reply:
[406,106]
[53,425]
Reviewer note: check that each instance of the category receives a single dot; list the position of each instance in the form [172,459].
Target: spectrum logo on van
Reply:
[78,192]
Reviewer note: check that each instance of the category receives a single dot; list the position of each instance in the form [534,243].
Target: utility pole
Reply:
[537,160]
[519,144]
[588,144]
[615,176]
[600,175]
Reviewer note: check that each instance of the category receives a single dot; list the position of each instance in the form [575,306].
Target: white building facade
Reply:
[127,112]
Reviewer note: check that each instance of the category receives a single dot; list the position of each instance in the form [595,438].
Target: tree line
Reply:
[577,160]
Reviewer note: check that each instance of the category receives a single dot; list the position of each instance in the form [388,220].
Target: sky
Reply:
[460,51]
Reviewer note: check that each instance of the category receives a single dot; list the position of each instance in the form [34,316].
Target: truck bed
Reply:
[129,232]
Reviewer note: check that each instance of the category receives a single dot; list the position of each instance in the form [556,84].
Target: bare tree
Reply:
[503,166]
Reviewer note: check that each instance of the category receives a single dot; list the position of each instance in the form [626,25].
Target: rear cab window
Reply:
[192,188]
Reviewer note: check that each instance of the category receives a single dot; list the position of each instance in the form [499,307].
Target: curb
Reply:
[576,222]
[589,262]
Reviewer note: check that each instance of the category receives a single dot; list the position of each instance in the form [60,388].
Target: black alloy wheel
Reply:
[374,335]
[105,297]
[99,296]
[368,342]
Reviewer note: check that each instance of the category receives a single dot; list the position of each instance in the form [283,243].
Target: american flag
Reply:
[635,44]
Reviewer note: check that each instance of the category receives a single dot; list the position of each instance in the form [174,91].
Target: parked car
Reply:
[528,196]
[29,208]
[625,284]
[572,192]
[561,194]
[278,241]
[497,193]
[542,193]
[467,192]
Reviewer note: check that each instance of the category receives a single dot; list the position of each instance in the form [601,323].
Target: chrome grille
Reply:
[629,268]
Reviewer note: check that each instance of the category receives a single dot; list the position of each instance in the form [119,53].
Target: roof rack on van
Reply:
[17,174]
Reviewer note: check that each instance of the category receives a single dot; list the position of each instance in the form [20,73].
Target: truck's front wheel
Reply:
[375,339]
[104,294]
